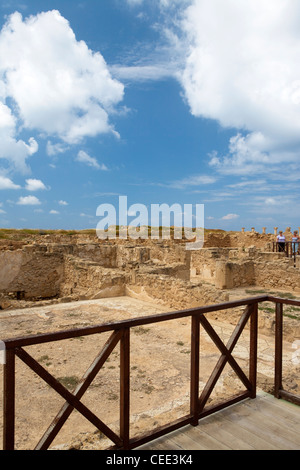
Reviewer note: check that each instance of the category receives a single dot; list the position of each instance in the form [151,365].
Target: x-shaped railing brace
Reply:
[225,357]
[73,399]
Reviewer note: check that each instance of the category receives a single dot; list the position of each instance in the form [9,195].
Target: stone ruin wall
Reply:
[31,272]
[156,272]
[278,274]
[237,239]
[223,267]
[228,268]
[163,271]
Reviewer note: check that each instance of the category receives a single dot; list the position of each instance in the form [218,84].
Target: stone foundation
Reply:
[161,270]
[229,268]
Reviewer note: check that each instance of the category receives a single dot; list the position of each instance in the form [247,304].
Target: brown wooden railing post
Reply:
[195,350]
[253,349]
[124,387]
[9,401]
[278,348]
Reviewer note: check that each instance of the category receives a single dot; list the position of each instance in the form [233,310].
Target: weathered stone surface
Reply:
[81,266]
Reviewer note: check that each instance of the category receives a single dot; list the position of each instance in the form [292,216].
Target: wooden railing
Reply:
[289,248]
[120,333]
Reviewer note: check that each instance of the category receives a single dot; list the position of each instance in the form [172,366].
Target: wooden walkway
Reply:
[264,423]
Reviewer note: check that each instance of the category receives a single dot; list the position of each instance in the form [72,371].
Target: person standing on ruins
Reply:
[281,241]
[295,241]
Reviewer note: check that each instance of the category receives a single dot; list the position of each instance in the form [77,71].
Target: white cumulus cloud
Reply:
[28,201]
[12,149]
[34,185]
[85,158]
[7,183]
[230,217]
[242,69]
[51,83]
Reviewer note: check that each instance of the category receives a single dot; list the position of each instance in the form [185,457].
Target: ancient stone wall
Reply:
[104,255]
[129,255]
[176,293]
[169,253]
[161,269]
[31,272]
[86,270]
[224,267]
[278,274]
[228,268]
[230,275]
[237,239]
[88,280]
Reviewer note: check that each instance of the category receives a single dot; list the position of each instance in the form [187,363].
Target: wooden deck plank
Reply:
[280,410]
[223,438]
[201,439]
[162,443]
[279,417]
[234,437]
[185,442]
[246,417]
[264,423]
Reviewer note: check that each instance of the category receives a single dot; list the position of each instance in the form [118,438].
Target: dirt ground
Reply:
[160,369]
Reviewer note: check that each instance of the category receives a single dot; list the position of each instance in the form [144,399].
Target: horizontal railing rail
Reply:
[291,249]
[120,334]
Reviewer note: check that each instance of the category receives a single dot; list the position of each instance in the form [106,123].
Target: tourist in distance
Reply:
[281,241]
[295,241]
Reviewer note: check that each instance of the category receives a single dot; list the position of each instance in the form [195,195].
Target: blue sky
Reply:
[162,101]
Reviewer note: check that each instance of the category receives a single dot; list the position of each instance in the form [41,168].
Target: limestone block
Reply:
[10,266]
[221,281]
